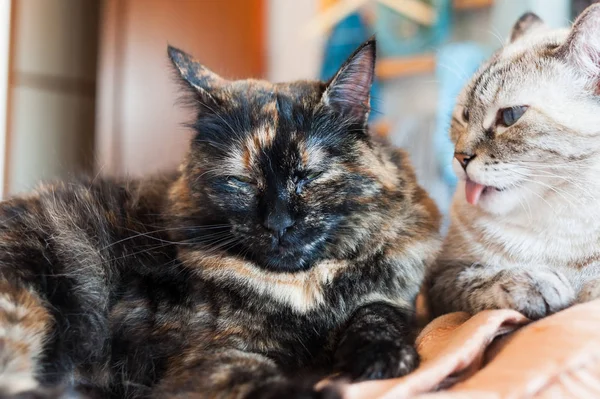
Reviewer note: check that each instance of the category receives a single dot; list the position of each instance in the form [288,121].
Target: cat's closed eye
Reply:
[509,116]
[312,175]
[303,180]
[241,180]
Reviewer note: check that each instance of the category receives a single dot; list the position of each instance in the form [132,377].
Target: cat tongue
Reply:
[473,191]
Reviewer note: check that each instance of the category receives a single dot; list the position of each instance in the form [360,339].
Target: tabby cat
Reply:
[525,221]
[289,244]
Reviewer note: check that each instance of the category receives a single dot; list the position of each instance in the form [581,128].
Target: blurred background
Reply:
[85,85]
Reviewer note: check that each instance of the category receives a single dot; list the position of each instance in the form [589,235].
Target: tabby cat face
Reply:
[282,166]
[529,121]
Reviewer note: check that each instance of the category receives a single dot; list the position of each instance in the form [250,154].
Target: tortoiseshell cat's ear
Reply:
[349,90]
[528,23]
[582,47]
[202,80]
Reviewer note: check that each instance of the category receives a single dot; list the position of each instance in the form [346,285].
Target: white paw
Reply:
[534,293]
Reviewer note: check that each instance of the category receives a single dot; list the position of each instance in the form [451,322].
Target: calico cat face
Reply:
[280,167]
[528,124]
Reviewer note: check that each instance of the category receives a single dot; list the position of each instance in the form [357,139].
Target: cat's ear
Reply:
[528,23]
[349,90]
[201,80]
[582,47]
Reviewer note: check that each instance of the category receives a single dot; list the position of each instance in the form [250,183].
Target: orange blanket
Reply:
[500,354]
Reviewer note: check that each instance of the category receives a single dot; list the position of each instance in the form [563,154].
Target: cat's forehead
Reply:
[534,45]
[262,94]
[515,70]
[270,149]
[273,123]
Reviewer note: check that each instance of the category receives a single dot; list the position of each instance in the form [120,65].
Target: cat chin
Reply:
[296,255]
[499,203]
[286,263]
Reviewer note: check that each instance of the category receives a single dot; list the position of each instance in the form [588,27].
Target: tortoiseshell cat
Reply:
[290,243]
[525,229]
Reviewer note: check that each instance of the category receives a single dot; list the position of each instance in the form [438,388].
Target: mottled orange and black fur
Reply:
[289,244]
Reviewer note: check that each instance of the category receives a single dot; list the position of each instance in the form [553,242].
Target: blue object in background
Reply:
[455,64]
[344,38]
[401,36]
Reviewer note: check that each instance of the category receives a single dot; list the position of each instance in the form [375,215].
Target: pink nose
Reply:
[463,159]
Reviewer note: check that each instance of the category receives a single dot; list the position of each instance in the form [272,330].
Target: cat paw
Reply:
[375,360]
[534,293]
[293,390]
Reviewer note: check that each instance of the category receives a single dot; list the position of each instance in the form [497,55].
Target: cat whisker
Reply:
[540,197]
[494,32]
[148,234]
[566,179]
[561,193]
[460,76]
[528,211]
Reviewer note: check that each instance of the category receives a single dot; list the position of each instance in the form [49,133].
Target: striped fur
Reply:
[531,242]
[289,245]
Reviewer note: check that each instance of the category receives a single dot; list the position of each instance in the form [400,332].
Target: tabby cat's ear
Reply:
[582,47]
[349,90]
[528,23]
[200,79]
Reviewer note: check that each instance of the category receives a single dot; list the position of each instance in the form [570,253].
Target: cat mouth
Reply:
[474,191]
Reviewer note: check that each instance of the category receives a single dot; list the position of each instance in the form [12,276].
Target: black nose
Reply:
[278,223]
[463,159]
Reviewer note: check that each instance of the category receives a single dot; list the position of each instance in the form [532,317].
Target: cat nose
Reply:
[463,159]
[278,223]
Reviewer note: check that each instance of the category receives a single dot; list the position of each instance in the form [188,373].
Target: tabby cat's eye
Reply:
[508,116]
[241,179]
[465,114]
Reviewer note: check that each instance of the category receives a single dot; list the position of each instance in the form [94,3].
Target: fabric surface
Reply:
[500,354]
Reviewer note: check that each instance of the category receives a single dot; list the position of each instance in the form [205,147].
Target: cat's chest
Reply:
[563,243]
[300,292]
[292,339]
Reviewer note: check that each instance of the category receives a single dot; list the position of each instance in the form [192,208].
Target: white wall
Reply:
[555,13]
[51,92]
[5,6]
[291,55]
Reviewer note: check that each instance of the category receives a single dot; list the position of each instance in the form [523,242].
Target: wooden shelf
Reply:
[394,67]
[471,4]
[458,4]
[397,67]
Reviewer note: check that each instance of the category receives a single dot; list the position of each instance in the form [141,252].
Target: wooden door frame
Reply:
[110,139]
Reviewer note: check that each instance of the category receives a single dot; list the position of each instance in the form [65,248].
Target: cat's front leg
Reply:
[533,292]
[378,343]
[234,374]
